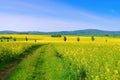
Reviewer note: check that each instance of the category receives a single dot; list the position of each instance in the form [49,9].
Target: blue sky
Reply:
[59,15]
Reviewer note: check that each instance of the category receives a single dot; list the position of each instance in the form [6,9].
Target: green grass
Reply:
[59,60]
[25,68]
[12,52]
[42,65]
[71,61]
[99,61]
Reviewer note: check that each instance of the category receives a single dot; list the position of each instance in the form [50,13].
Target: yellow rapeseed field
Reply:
[83,60]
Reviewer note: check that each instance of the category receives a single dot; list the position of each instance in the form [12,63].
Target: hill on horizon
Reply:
[85,32]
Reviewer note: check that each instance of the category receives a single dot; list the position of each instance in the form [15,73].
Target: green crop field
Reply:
[42,57]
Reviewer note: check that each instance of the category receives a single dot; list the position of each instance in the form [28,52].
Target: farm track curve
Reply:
[12,65]
[44,64]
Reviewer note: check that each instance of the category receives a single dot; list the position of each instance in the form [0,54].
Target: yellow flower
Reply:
[108,70]
[96,77]
[115,71]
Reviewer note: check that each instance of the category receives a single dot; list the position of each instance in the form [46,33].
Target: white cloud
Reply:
[26,23]
[50,16]
[49,8]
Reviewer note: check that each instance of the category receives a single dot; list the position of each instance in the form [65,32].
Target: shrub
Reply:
[56,35]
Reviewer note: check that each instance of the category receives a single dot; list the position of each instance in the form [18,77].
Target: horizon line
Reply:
[58,31]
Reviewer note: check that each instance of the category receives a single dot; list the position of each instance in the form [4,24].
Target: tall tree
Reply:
[78,39]
[26,38]
[14,39]
[65,38]
[93,38]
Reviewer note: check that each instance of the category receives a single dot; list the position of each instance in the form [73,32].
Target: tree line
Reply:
[7,39]
[78,39]
[3,38]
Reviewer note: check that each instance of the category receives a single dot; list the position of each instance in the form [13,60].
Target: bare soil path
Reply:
[11,66]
